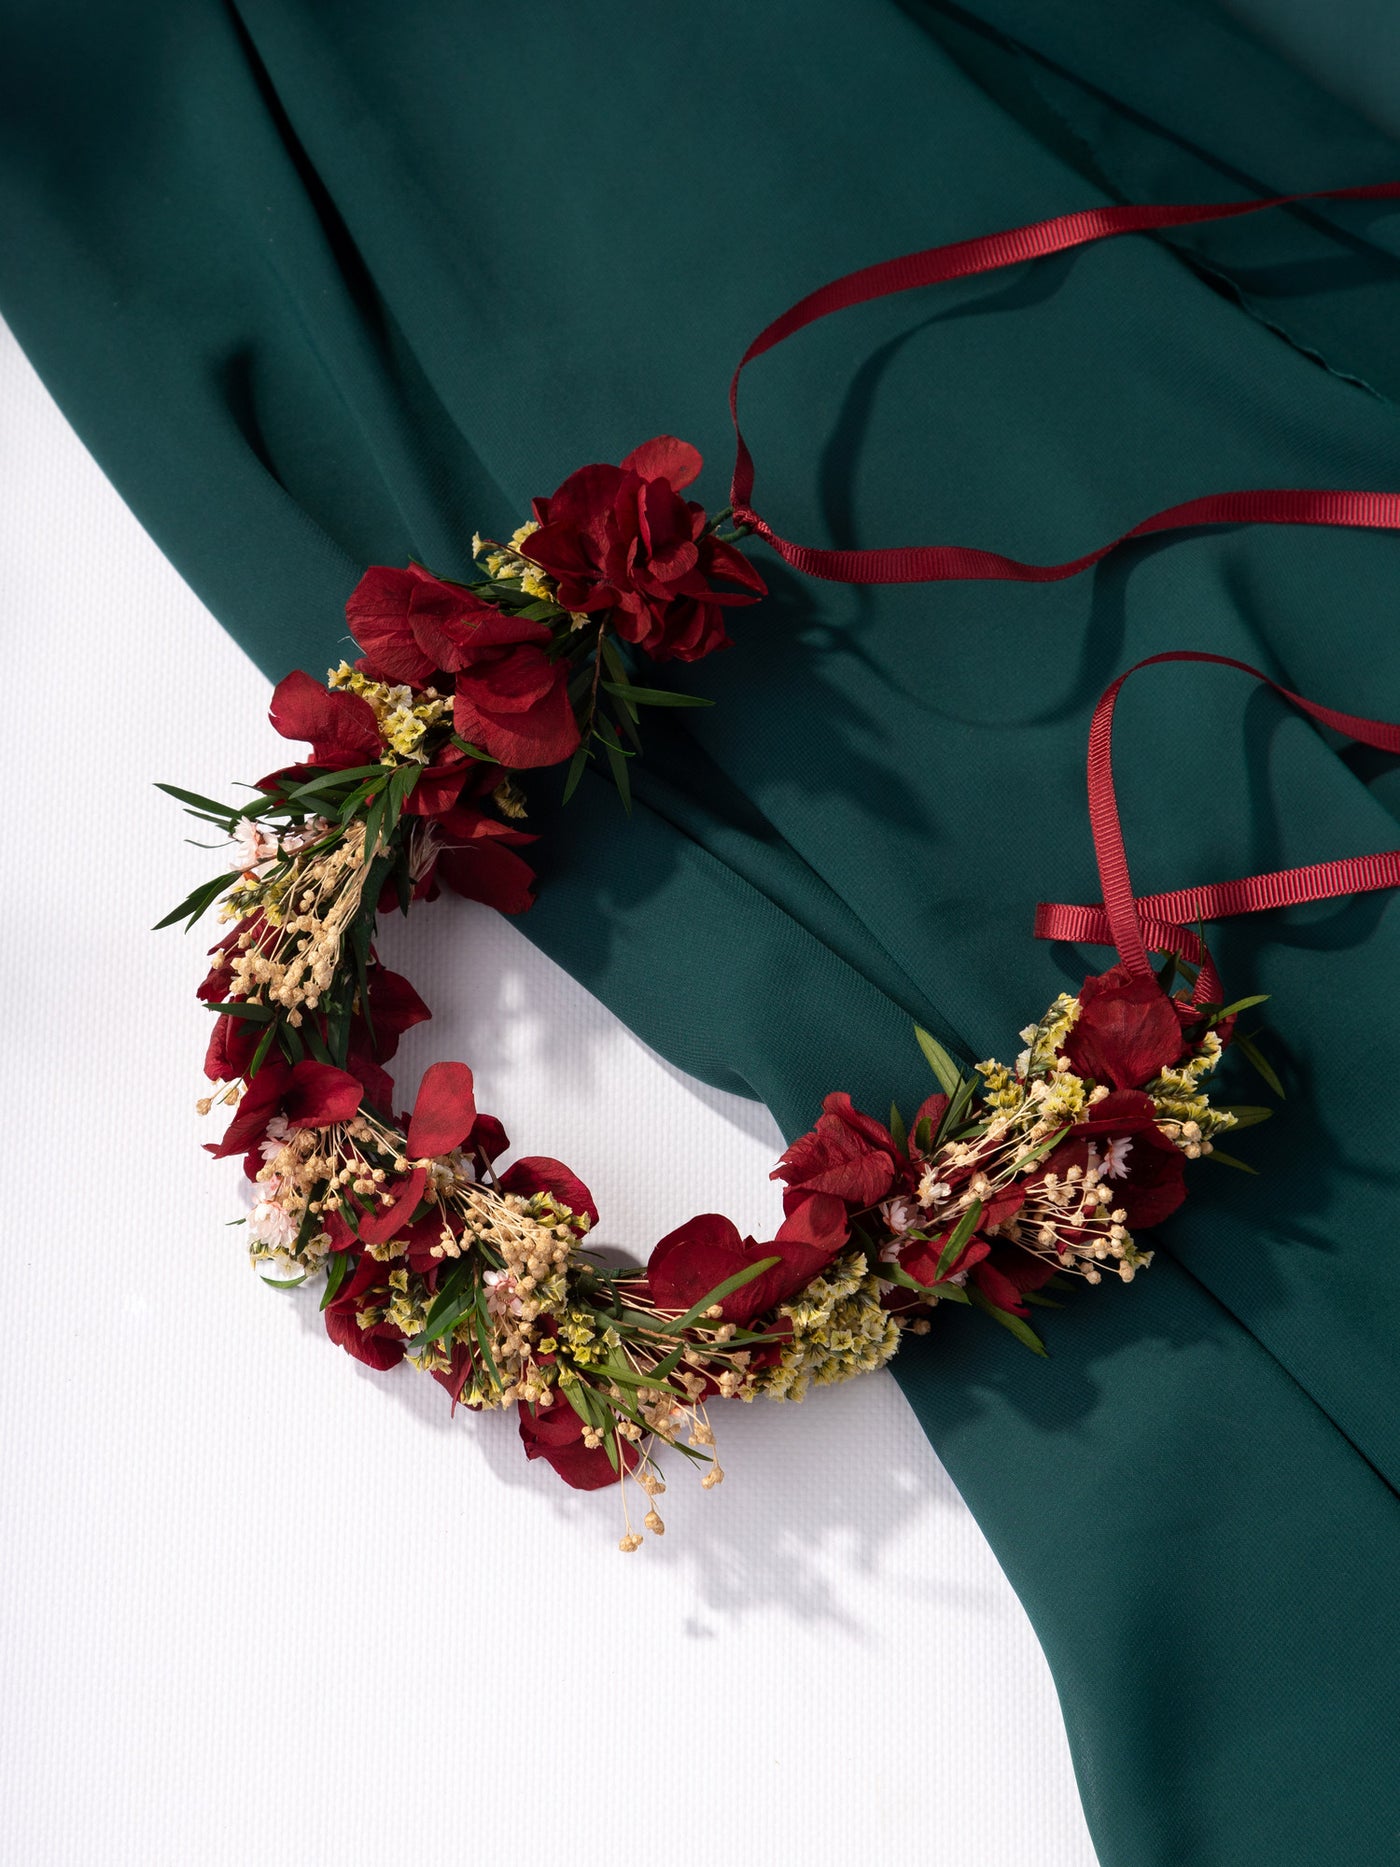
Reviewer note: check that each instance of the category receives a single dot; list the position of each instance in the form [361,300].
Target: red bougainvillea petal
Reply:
[544,733]
[340,727]
[319,1095]
[377,1348]
[483,871]
[691,1261]
[394,1007]
[1127,1031]
[444,1111]
[378,614]
[552,1436]
[456,1374]
[381,1224]
[998,1287]
[666,458]
[847,1153]
[536,1173]
[260,1103]
[487,1138]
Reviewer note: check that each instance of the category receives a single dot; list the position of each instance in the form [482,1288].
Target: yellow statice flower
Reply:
[402,717]
[838,1330]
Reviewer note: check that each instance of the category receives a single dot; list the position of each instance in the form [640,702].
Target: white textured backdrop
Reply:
[258,1605]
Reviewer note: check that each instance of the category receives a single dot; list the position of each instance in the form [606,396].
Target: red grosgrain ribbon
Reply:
[963,258]
[1154,922]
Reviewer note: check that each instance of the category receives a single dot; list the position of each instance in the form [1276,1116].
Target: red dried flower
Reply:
[1127,1031]
[622,540]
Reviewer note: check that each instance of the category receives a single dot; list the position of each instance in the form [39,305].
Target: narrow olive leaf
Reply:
[465,745]
[264,1045]
[483,1336]
[956,1109]
[1020,1328]
[337,1270]
[374,823]
[923,1135]
[1240,1004]
[239,1008]
[948,1074]
[665,1369]
[221,813]
[896,1274]
[957,1240]
[654,696]
[574,1392]
[338,1032]
[721,1291]
[284,1283]
[610,1447]
[1040,1302]
[314,1042]
[1247,1115]
[897,1129]
[195,903]
[1042,1148]
[292,1043]
[576,767]
[448,1295]
[1228,1160]
[617,759]
[1248,1047]
[332,780]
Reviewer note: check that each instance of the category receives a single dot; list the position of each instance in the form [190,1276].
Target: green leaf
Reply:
[1240,1004]
[957,1240]
[1246,1115]
[196,902]
[338,1031]
[483,1336]
[374,823]
[239,1008]
[654,696]
[284,1283]
[923,1135]
[1040,1302]
[1018,1326]
[719,1293]
[1040,1150]
[332,780]
[314,1042]
[222,813]
[896,1274]
[617,759]
[456,1298]
[337,1270]
[465,745]
[264,1045]
[1248,1047]
[957,1108]
[576,768]
[948,1074]
[1228,1160]
[898,1130]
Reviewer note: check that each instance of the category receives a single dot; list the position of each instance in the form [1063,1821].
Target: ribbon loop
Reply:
[964,258]
[1155,923]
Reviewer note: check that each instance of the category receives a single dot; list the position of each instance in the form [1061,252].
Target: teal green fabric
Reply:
[324,285]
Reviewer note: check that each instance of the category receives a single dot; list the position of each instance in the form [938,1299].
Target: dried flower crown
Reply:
[1007,1181]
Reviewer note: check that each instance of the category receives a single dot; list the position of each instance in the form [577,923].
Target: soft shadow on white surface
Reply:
[260,1606]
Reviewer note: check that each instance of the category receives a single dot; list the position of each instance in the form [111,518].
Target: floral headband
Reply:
[1006,1183]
